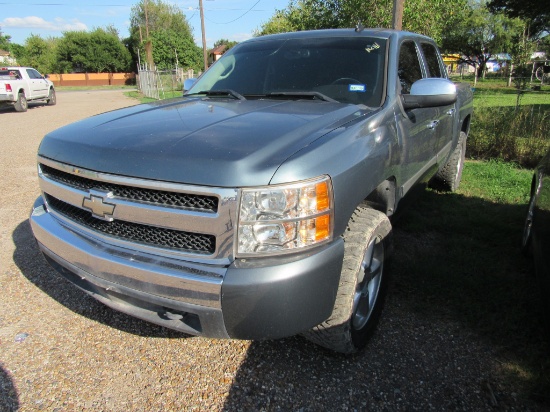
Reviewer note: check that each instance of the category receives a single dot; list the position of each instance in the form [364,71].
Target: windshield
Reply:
[348,70]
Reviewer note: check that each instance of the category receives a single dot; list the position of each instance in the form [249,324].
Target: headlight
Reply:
[285,218]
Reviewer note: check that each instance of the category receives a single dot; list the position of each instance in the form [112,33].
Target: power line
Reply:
[240,17]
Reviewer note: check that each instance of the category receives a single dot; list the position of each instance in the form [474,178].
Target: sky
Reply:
[234,20]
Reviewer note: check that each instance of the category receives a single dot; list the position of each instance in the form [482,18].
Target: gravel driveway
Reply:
[60,350]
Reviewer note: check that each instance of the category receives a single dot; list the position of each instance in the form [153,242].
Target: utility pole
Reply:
[204,52]
[148,43]
[397,14]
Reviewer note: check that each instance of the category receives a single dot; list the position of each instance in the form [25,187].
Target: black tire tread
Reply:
[335,333]
[447,178]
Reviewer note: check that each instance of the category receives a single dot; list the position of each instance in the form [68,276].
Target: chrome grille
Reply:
[135,232]
[159,197]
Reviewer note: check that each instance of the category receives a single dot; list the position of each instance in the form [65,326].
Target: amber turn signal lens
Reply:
[323,199]
[322,227]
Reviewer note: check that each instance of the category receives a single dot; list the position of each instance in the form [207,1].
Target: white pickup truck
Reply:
[19,85]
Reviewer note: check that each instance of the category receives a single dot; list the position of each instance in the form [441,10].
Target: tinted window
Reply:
[344,69]
[430,54]
[409,69]
[33,74]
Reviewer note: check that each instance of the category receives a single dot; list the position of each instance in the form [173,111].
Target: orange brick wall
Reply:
[93,79]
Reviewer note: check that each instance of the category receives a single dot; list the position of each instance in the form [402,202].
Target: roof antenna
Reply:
[359,27]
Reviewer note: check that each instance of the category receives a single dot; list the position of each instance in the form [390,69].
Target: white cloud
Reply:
[33,22]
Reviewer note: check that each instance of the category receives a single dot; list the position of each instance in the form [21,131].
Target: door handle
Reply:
[433,125]
[450,112]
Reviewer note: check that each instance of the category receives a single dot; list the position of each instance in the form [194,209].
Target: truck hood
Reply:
[212,142]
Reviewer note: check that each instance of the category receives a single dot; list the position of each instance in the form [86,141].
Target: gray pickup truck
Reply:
[258,205]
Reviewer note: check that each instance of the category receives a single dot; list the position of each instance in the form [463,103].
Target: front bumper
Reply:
[248,299]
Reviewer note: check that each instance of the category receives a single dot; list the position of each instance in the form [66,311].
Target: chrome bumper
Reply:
[248,299]
[158,289]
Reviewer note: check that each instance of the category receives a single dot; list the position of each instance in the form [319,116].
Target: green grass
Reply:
[507,99]
[496,181]
[494,92]
[458,257]
[492,96]
[142,99]
[134,94]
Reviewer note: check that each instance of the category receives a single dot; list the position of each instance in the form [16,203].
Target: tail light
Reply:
[8,87]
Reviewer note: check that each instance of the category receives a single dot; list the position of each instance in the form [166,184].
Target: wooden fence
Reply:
[93,79]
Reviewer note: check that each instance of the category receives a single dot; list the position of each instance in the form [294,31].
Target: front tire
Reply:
[21,104]
[449,176]
[362,287]
[52,99]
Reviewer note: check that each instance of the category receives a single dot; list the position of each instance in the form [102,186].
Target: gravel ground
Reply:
[60,350]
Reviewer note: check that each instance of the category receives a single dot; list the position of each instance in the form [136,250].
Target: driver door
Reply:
[417,126]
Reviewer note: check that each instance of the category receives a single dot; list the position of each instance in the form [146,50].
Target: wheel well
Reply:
[383,197]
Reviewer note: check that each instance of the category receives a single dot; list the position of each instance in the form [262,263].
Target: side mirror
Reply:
[187,84]
[432,92]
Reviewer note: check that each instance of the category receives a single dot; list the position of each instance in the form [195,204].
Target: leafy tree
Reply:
[5,41]
[38,53]
[225,42]
[163,30]
[170,48]
[429,17]
[481,35]
[17,50]
[96,51]
[537,12]
[280,22]
[543,44]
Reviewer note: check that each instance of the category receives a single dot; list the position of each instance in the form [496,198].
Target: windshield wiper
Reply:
[312,95]
[220,93]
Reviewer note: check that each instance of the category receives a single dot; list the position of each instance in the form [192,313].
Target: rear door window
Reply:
[432,60]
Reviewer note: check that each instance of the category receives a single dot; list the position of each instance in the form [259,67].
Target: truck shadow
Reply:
[461,328]
[34,267]
[6,108]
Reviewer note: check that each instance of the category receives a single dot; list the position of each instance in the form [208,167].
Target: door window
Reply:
[432,60]
[409,69]
[33,74]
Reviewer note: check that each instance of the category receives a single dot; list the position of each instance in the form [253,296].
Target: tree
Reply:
[481,35]
[226,43]
[543,44]
[38,53]
[278,23]
[162,30]
[537,12]
[429,17]
[5,41]
[17,50]
[96,51]
[170,48]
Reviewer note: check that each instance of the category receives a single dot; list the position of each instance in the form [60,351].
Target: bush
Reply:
[521,135]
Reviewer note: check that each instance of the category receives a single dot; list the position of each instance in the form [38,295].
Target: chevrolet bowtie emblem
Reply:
[96,204]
